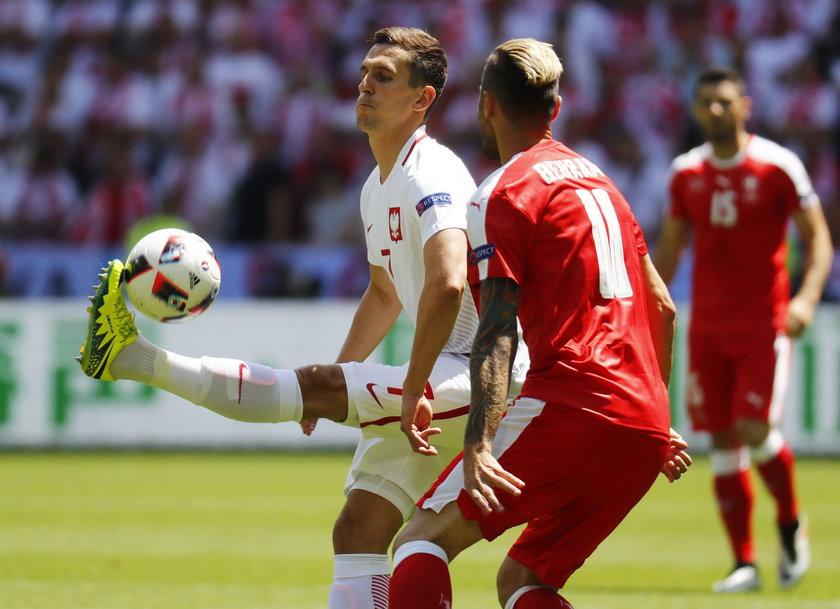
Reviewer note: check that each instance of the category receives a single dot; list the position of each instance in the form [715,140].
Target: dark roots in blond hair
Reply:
[523,74]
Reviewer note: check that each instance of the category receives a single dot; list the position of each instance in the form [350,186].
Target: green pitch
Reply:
[252,531]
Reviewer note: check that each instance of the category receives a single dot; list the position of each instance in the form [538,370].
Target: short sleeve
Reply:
[439,199]
[639,238]
[795,185]
[509,234]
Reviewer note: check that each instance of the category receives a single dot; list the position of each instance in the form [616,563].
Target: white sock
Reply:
[418,547]
[360,581]
[232,388]
[772,445]
[136,361]
[726,462]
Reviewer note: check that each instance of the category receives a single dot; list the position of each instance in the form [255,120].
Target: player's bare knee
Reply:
[512,576]
[752,433]
[353,533]
[447,529]
[347,526]
[367,523]
[424,525]
[725,440]
[413,531]
[324,392]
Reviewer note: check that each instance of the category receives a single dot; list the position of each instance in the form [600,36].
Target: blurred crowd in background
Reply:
[237,116]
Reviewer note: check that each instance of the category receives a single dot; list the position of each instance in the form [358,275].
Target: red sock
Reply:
[735,500]
[541,598]
[421,581]
[777,474]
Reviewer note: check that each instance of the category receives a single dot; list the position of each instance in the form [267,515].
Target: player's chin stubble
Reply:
[489,146]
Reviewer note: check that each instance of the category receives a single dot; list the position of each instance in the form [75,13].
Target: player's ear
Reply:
[747,101]
[558,101]
[487,104]
[425,99]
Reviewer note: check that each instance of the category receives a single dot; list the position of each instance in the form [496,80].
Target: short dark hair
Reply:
[524,75]
[426,58]
[715,76]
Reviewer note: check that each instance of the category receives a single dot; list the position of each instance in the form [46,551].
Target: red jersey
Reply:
[739,209]
[554,223]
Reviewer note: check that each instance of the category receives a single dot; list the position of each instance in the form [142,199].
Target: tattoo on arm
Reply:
[492,358]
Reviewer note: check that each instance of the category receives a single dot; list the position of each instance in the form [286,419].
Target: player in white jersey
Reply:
[425,193]
[414,213]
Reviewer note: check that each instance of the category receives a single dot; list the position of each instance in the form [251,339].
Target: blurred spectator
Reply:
[197,176]
[263,207]
[187,97]
[123,99]
[118,200]
[332,216]
[39,199]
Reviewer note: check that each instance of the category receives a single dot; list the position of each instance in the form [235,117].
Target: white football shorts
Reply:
[384,463]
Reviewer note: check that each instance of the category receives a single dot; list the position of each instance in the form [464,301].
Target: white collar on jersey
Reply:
[409,145]
[731,162]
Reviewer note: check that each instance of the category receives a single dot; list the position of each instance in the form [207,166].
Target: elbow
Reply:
[451,290]
[447,286]
[668,312]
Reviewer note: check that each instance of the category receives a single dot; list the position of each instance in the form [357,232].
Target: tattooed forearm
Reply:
[492,357]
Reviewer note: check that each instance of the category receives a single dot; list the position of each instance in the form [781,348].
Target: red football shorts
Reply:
[582,476]
[736,379]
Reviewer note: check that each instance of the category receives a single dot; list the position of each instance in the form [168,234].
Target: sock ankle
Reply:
[787,534]
[136,361]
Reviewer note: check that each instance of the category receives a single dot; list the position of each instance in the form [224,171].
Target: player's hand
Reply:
[415,423]
[799,316]
[307,426]
[678,460]
[483,474]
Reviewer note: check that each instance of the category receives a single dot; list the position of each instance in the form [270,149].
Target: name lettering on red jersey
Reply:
[567,169]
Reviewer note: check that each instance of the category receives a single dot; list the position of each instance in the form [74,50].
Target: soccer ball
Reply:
[172,275]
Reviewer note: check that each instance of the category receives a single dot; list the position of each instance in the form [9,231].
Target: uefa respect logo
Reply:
[482,252]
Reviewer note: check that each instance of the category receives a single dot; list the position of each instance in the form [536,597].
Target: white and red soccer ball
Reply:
[172,275]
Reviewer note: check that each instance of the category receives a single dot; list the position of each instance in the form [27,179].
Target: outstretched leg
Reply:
[236,389]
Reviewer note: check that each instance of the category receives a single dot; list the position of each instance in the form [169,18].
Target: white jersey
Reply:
[426,192]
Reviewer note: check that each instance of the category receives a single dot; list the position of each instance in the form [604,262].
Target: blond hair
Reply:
[535,60]
[524,75]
